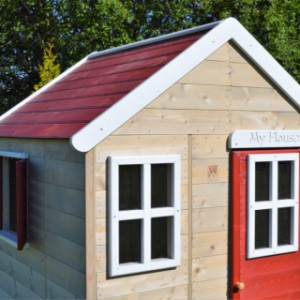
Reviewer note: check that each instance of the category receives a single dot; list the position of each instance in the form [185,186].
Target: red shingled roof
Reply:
[88,90]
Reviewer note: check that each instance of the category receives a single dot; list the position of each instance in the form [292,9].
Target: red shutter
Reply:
[21,195]
[1,195]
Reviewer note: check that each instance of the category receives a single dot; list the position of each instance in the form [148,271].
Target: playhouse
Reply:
[163,169]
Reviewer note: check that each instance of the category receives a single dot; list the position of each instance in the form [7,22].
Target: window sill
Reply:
[10,238]
[134,268]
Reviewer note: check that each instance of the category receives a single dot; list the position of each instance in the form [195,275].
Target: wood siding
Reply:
[53,266]
[193,119]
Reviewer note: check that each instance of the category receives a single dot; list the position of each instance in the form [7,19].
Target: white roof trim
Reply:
[101,127]
[42,89]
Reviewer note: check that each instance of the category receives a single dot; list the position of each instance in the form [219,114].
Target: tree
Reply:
[81,27]
[49,69]
[77,27]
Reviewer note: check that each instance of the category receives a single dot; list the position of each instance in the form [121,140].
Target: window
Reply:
[273,192]
[13,198]
[144,214]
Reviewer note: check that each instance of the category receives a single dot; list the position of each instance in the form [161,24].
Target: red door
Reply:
[271,276]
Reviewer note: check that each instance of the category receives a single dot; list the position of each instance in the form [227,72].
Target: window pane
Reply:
[130,241]
[130,187]
[161,235]
[284,179]
[284,226]
[12,195]
[262,181]
[161,184]
[262,231]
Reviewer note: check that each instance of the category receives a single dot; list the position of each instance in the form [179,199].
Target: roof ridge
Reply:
[153,40]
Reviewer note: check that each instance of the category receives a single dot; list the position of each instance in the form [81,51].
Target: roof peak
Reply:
[153,40]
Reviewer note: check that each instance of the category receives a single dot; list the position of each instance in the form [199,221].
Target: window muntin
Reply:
[144,213]
[273,192]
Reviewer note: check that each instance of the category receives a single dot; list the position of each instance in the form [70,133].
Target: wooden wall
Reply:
[193,118]
[53,267]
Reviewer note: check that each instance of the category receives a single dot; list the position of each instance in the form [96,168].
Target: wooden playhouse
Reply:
[164,169]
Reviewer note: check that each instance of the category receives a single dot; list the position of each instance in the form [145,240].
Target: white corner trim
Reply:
[230,29]
[42,89]
[256,139]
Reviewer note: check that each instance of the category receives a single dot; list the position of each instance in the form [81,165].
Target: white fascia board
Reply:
[42,89]
[228,30]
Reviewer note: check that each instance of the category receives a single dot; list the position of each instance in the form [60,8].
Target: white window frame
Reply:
[145,214]
[273,204]
[6,234]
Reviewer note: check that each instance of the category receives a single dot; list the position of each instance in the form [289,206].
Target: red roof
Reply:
[88,90]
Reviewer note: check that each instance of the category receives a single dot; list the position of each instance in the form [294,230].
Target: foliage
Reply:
[79,27]
[49,69]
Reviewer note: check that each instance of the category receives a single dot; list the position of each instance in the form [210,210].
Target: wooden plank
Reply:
[65,226]
[190,209]
[246,75]
[209,72]
[30,256]
[33,147]
[101,180]
[210,97]
[15,289]
[210,243]
[4,295]
[62,150]
[221,54]
[37,238]
[228,53]
[65,174]
[100,204]
[235,55]
[55,291]
[141,282]
[37,169]
[37,216]
[65,200]
[214,289]
[7,284]
[225,73]
[174,293]
[100,231]
[210,195]
[23,292]
[67,277]
[210,219]
[267,120]
[100,176]
[209,146]
[213,170]
[205,122]
[101,259]
[142,145]
[211,267]
[157,121]
[90,227]
[36,192]
[65,251]
[185,221]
